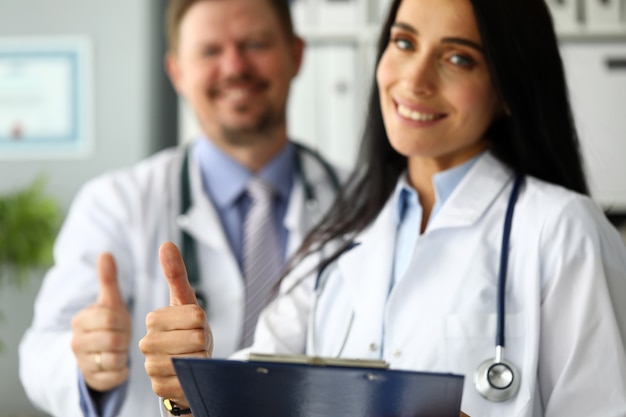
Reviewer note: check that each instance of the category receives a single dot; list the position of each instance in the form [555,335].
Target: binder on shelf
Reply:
[264,387]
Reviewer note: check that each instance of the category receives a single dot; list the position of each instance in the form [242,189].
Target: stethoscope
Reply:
[495,379]
[188,244]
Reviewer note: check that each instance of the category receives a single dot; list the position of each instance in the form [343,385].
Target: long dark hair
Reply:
[538,137]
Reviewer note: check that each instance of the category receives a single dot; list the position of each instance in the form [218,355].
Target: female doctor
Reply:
[466,225]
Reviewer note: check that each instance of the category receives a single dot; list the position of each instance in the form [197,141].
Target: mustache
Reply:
[243,80]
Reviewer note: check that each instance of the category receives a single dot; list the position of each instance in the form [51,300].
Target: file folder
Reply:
[258,388]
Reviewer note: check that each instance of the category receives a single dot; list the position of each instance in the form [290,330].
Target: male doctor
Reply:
[233,61]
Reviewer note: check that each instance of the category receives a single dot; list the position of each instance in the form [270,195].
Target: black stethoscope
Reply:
[495,379]
[188,244]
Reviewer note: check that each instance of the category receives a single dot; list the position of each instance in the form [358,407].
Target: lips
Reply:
[417,115]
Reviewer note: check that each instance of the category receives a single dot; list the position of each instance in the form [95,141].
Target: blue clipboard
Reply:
[229,388]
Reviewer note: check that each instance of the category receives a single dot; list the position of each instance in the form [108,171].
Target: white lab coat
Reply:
[565,302]
[130,213]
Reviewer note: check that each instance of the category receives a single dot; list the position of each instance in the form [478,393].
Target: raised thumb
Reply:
[109,293]
[175,272]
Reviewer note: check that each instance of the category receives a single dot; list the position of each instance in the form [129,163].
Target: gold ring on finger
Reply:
[98,359]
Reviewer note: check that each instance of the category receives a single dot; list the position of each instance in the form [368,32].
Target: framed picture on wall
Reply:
[45,97]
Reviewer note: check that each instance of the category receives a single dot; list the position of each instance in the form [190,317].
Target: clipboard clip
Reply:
[318,361]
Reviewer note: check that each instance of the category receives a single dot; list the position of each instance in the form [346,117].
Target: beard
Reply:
[263,126]
[258,126]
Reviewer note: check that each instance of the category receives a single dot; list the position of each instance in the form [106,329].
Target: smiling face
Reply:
[436,95]
[234,64]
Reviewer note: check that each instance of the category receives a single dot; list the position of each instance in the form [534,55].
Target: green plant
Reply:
[29,221]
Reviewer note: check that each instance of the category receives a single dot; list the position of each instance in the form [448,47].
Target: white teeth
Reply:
[414,115]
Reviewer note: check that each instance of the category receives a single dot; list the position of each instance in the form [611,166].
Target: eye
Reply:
[402,43]
[461,60]
[256,45]
[210,51]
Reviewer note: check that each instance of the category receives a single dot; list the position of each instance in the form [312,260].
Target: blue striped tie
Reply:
[262,258]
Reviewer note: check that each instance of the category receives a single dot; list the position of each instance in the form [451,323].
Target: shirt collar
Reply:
[224,179]
[406,198]
[444,183]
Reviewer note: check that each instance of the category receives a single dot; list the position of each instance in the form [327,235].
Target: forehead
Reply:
[217,19]
[440,18]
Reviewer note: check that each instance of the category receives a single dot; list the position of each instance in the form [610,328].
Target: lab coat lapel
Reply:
[473,195]
[300,217]
[295,220]
[371,259]
[202,221]
[373,256]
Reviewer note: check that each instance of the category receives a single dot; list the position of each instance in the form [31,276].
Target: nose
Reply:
[421,75]
[233,62]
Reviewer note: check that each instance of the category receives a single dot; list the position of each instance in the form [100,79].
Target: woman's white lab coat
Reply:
[130,213]
[565,299]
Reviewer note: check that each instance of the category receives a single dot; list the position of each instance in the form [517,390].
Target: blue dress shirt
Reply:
[225,181]
[409,212]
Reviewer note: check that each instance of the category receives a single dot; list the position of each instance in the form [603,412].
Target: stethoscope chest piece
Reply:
[497,380]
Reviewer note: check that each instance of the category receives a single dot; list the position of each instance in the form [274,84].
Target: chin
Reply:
[411,146]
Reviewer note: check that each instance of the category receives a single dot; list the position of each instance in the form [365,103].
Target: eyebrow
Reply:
[461,41]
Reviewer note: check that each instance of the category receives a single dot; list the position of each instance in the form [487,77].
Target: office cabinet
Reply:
[324,108]
[596,75]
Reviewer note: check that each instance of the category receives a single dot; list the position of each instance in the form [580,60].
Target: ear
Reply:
[173,70]
[297,54]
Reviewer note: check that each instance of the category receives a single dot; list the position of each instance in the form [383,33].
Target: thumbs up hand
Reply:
[180,330]
[101,332]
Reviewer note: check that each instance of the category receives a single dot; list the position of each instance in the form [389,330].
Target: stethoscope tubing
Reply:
[504,260]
